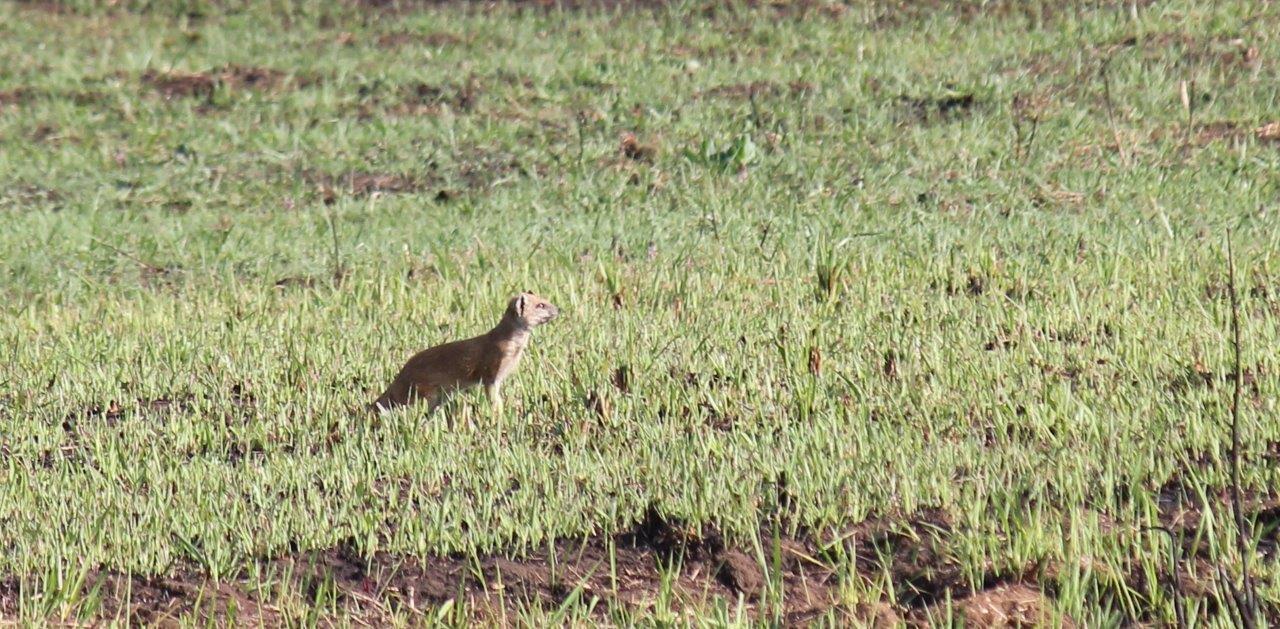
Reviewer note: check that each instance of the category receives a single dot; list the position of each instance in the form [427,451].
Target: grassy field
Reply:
[870,313]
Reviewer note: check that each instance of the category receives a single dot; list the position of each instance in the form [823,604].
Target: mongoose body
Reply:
[486,359]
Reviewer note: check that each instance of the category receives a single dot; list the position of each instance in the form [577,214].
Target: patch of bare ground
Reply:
[156,601]
[113,411]
[1228,131]
[231,408]
[944,108]
[1198,376]
[401,39]
[20,96]
[174,84]
[624,569]
[914,552]
[1181,507]
[418,99]
[426,99]
[758,89]
[52,7]
[1075,74]
[630,147]
[360,184]
[1016,605]
[401,6]
[1187,49]
[898,13]
[473,169]
[15,96]
[27,195]
[1191,572]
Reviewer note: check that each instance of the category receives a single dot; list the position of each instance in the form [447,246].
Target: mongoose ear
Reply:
[520,304]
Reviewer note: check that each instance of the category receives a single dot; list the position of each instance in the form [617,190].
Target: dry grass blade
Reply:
[1245,594]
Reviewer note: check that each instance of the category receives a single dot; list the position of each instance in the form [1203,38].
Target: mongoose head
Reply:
[532,310]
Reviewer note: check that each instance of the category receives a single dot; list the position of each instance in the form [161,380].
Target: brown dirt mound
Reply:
[633,149]
[914,553]
[1014,605]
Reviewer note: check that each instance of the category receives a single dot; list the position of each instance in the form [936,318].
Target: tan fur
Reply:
[486,359]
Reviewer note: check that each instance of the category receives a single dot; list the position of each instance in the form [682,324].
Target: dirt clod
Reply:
[741,573]
[632,149]
[1003,605]
[815,360]
[622,379]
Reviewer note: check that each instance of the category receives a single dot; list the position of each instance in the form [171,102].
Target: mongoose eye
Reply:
[542,306]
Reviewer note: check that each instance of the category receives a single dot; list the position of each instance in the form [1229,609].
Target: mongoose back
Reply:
[486,359]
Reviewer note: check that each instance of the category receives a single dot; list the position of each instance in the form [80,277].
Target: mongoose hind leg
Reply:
[422,392]
[396,395]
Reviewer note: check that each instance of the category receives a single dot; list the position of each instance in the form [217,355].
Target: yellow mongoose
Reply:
[486,359]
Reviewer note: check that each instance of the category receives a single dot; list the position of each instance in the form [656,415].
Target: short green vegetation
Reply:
[818,264]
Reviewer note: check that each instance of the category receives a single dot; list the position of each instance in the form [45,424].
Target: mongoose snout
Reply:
[486,359]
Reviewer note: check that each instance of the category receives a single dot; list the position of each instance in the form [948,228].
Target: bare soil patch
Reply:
[233,408]
[758,89]
[427,99]
[898,13]
[114,411]
[630,147]
[1226,131]
[1188,49]
[15,96]
[944,108]
[174,85]
[28,194]
[1181,508]
[1004,605]
[470,169]
[377,99]
[360,184]
[1197,376]
[400,6]
[622,568]
[400,39]
[914,552]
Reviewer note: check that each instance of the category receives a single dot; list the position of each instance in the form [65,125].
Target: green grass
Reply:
[1027,331]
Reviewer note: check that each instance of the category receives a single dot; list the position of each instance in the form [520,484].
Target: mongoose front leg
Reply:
[494,391]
